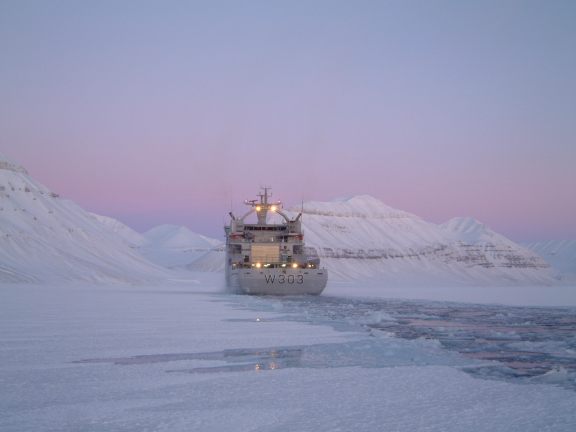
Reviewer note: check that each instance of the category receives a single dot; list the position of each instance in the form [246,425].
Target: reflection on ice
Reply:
[257,359]
[369,353]
[243,359]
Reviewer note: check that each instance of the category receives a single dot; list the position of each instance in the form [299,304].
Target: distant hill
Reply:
[176,246]
[44,237]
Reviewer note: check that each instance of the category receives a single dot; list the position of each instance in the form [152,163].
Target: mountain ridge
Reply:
[362,238]
[44,237]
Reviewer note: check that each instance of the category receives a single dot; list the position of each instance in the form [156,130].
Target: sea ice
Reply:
[128,358]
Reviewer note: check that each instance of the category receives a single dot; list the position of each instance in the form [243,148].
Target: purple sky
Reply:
[166,111]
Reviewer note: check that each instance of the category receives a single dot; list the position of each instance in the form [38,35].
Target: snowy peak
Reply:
[361,206]
[7,164]
[178,237]
[176,246]
[465,225]
[362,238]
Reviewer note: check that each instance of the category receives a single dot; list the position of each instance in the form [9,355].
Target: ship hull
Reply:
[276,281]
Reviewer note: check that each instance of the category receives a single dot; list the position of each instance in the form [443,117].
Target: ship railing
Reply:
[270,265]
[249,238]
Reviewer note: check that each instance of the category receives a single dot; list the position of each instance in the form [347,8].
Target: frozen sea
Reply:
[187,357]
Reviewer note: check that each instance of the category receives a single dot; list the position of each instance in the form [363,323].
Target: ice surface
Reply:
[181,358]
[514,295]
[523,344]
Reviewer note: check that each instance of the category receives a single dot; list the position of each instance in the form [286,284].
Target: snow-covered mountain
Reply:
[176,246]
[44,237]
[178,237]
[360,238]
[133,238]
[560,254]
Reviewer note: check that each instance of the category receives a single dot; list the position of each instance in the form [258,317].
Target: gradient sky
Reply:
[167,111]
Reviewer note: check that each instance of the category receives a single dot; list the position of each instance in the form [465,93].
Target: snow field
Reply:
[46,333]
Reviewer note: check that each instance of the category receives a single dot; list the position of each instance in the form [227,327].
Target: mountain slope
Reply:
[560,254]
[132,238]
[46,238]
[178,237]
[361,238]
[176,246]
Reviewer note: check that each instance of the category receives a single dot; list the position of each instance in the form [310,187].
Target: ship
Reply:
[271,258]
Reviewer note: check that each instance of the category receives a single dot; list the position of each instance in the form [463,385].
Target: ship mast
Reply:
[263,207]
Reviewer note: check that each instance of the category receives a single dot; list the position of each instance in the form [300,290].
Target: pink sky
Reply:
[166,116]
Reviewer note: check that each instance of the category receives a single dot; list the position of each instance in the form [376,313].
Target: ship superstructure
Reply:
[271,258]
